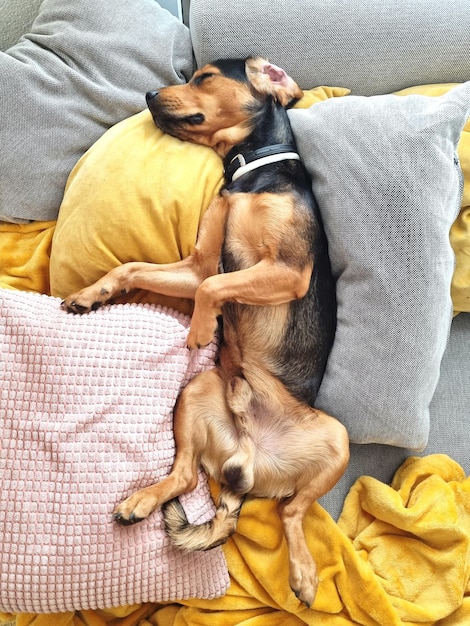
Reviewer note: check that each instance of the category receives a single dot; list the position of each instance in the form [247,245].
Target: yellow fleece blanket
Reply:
[25,250]
[398,555]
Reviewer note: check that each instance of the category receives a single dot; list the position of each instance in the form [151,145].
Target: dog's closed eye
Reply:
[194,120]
[197,80]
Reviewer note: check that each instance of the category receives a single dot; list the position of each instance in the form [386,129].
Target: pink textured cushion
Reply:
[85,419]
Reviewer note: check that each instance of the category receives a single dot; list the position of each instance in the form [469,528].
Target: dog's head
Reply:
[216,107]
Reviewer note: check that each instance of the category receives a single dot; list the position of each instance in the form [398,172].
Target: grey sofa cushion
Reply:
[83,67]
[355,44]
[388,183]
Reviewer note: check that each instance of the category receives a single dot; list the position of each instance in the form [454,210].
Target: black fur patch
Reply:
[235,478]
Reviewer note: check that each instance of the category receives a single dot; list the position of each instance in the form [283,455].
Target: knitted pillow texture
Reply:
[85,420]
[82,67]
[387,178]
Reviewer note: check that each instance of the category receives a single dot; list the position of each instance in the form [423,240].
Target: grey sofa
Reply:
[372,47]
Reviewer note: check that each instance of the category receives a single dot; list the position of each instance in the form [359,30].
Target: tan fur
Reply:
[238,417]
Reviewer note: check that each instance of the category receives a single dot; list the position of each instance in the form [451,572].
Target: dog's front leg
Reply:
[180,279]
[176,279]
[265,284]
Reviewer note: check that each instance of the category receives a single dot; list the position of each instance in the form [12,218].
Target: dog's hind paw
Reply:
[135,508]
[126,521]
[305,586]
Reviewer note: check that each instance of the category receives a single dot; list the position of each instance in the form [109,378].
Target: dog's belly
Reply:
[279,462]
[279,447]
[255,333]
[271,334]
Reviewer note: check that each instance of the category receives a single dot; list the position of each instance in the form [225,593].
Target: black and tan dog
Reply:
[261,263]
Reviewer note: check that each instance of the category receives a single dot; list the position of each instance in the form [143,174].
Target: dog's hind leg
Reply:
[238,470]
[182,478]
[201,400]
[303,578]
[330,466]
[210,398]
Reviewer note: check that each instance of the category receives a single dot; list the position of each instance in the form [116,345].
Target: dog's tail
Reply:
[209,534]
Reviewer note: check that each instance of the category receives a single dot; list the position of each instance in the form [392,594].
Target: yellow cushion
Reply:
[137,194]
[460,231]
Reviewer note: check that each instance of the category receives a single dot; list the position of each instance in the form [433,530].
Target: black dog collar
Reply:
[242,163]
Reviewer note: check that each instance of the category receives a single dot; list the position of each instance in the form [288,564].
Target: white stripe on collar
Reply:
[272,158]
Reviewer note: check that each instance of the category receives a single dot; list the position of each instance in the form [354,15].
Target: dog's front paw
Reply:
[77,303]
[90,298]
[201,335]
[203,326]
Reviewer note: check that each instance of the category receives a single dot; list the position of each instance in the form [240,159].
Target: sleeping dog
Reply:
[260,269]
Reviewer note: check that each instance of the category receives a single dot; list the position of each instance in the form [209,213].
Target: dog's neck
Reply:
[238,162]
[269,142]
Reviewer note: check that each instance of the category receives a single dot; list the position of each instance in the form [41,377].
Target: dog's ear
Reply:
[270,80]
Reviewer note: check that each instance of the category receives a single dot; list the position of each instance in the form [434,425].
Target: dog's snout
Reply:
[150,95]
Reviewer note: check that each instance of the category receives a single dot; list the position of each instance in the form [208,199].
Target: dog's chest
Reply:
[254,229]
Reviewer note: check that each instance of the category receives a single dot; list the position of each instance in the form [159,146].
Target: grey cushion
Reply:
[372,47]
[450,420]
[83,67]
[388,182]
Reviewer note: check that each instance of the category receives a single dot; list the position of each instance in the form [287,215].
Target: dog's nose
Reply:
[150,95]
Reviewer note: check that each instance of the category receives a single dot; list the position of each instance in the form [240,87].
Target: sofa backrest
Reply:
[16,16]
[370,46]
